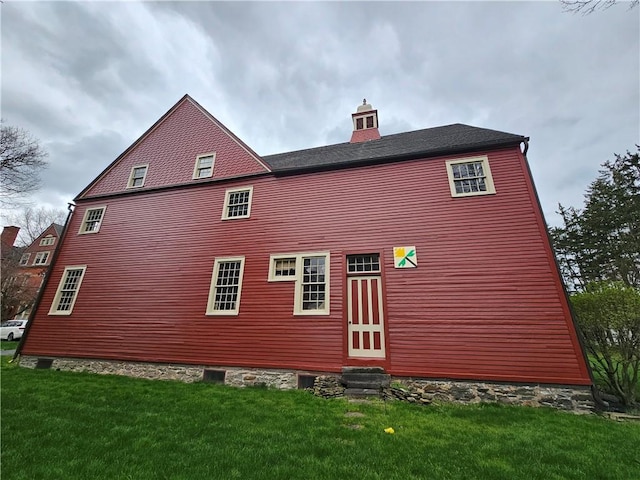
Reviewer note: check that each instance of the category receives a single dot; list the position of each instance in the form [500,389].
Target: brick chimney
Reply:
[9,235]
[365,124]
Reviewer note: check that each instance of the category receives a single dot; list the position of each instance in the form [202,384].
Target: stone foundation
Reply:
[419,391]
[234,376]
[572,398]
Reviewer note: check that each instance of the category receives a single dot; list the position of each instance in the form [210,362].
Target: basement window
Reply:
[213,376]
[469,177]
[92,220]
[226,285]
[237,203]
[138,174]
[44,363]
[204,166]
[306,381]
[67,292]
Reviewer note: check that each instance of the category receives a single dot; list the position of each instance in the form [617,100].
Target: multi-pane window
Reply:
[313,283]
[310,271]
[237,203]
[24,259]
[226,285]
[470,177]
[92,220]
[48,240]
[41,258]
[363,263]
[284,268]
[67,291]
[204,166]
[137,177]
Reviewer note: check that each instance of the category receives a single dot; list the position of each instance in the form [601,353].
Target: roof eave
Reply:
[399,158]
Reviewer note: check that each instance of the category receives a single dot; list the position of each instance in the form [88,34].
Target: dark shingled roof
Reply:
[448,139]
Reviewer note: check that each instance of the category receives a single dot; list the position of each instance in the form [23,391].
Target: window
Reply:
[24,259]
[204,166]
[92,220]
[237,203]
[48,240]
[363,263]
[359,123]
[310,271]
[67,291]
[470,176]
[41,258]
[370,122]
[137,177]
[226,285]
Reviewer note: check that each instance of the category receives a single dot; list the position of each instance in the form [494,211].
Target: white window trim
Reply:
[47,241]
[24,259]
[82,230]
[225,207]
[487,171]
[56,299]
[197,165]
[297,278]
[39,256]
[212,287]
[144,179]
[364,121]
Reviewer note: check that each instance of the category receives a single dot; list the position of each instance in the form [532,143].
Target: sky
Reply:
[88,78]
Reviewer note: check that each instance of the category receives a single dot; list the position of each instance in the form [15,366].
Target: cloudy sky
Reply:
[88,78]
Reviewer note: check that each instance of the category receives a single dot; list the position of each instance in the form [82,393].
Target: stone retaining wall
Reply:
[420,391]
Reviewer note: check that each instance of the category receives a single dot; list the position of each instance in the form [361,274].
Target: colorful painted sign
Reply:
[405,257]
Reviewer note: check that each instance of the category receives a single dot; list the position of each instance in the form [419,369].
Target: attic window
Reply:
[237,203]
[92,220]
[204,166]
[470,177]
[137,177]
[48,240]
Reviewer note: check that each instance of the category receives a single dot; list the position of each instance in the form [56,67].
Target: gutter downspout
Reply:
[45,281]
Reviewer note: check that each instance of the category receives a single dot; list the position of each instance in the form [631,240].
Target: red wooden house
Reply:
[424,253]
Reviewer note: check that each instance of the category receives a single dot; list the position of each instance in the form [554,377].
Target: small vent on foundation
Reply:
[306,381]
[44,363]
[213,376]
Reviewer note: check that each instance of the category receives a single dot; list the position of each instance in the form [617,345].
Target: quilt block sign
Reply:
[405,257]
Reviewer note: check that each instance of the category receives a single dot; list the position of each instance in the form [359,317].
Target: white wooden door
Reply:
[365,317]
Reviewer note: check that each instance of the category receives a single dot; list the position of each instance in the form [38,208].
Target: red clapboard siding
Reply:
[485,301]
[170,150]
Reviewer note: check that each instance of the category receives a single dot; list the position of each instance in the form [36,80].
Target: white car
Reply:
[12,329]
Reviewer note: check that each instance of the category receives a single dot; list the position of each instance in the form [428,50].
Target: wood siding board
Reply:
[484,300]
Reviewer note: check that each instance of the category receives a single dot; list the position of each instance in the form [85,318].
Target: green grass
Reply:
[4,345]
[63,425]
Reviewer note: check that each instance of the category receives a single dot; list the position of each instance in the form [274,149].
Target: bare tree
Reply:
[17,291]
[589,6]
[21,159]
[33,221]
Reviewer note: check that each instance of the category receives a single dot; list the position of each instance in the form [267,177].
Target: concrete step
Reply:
[376,379]
[361,392]
[362,370]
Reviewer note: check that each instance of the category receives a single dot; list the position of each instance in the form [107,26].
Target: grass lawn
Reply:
[4,345]
[63,425]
